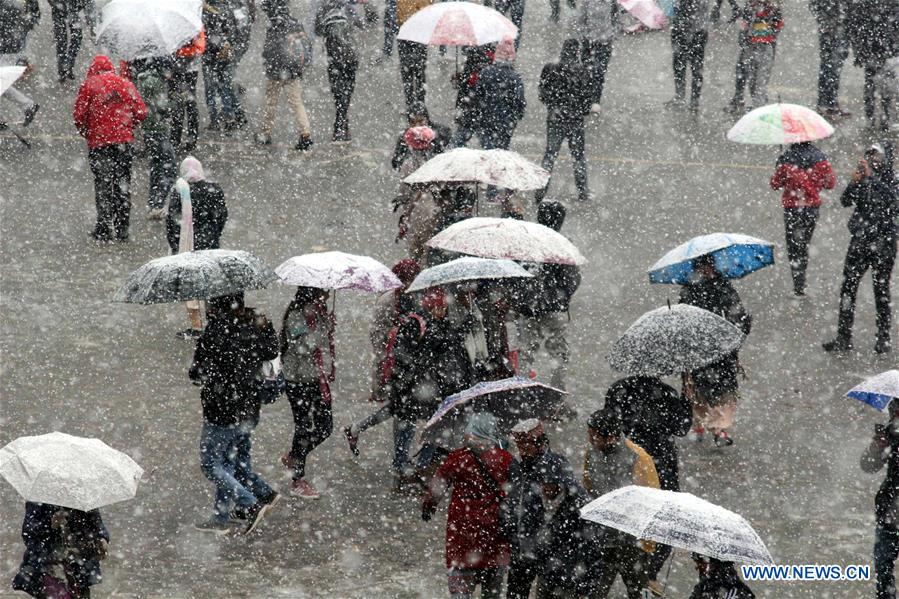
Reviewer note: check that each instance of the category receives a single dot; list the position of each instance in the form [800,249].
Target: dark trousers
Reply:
[596,55]
[390,26]
[185,107]
[342,77]
[667,466]
[734,9]
[832,50]
[555,7]
[870,97]
[522,573]
[629,562]
[688,51]
[741,71]
[799,224]
[311,420]
[67,32]
[886,549]
[862,255]
[413,60]
[111,166]
[558,130]
[161,156]
[218,85]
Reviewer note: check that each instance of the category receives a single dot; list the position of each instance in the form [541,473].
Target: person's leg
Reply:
[210,90]
[679,61]
[215,445]
[529,338]
[403,435]
[192,111]
[162,168]
[576,142]
[522,573]
[857,263]
[349,86]
[881,272]
[741,72]
[633,570]
[461,583]
[231,107]
[606,573]
[75,35]
[295,101]
[806,228]
[554,326]
[491,581]
[121,190]
[828,69]
[420,64]
[244,472]
[60,36]
[555,135]
[100,164]
[588,58]
[603,56]
[886,549]
[555,10]
[301,405]
[270,107]
[762,64]
[792,229]
[407,55]
[390,26]
[697,58]
[868,94]
[178,106]
[377,417]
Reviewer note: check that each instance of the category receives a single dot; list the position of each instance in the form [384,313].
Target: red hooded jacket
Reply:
[108,107]
[803,171]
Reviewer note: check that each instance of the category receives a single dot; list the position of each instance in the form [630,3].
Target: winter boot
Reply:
[840,344]
[883,344]
[304,144]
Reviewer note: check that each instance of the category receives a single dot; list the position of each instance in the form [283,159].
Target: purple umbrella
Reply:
[337,270]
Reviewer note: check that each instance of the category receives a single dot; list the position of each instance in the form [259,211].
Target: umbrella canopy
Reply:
[502,168]
[200,274]
[780,124]
[132,29]
[457,24]
[735,256]
[74,472]
[877,391]
[646,11]
[8,76]
[467,269]
[510,400]
[680,520]
[337,270]
[507,238]
[674,339]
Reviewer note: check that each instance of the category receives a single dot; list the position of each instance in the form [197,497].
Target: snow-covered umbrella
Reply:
[457,24]
[877,391]
[507,238]
[74,472]
[680,520]
[780,124]
[735,256]
[510,400]
[132,29]
[8,76]
[201,274]
[338,270]
[462,166]
[674,339]
[467,268]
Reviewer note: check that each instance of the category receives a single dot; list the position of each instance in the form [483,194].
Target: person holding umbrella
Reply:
[873,193]
[308,354]
[718,579]
[884,450]
[802,172]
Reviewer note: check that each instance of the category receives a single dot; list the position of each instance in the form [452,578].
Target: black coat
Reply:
[207,201]
[333,23]
[499,98]
[279,51]
[717,295]
[16,21]
[651,414]
[567,552]
[228,357]
[565,87]
[876,201]
[721,581]
[81,541]
[550,290]
[873,30]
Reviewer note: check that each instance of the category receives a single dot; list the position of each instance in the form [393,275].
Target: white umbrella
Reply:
[467,269]
[877,391]
[780,124]
[337,270]
[8,76]
[674,339]
[132,29]
[507,238]
[679,520]
[502,168]
[457,24]
[74,472]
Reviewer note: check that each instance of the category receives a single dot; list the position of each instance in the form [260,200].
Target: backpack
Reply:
[388,361]
[297,50]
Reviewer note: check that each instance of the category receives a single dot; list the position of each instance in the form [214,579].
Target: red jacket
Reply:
[473,538]
[108,107]
[803,171]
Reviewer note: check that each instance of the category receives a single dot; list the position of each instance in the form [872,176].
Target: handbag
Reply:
[270,381]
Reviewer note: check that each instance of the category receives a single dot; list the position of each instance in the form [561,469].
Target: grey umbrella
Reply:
[201,274]
[674,339]
[467,268]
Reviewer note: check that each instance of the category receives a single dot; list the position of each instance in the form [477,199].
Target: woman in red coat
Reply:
[477,552]
[802,172]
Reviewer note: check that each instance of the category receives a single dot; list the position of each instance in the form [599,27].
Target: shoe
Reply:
[342,137]
[595,108]
[723,439]
[303,489]
[655,587]
[304,144]
[271,500]
[585,197]
[261,139]
[214,526]
[287,460]
[799,292]
[675,104]
[100,236]
[406,484]
[694,106]
[253,516]
[29,114]
[840,344]
[696,434]
[155,213]
[883,345]
[352,440]
[121,238]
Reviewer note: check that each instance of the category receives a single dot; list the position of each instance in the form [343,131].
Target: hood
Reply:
[101,64]
[803,155]
[192,170]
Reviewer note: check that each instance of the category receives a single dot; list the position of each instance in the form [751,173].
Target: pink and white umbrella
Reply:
[780,124]
[503,168]
[647,12]
[337,270]
[507,238]
[457,24]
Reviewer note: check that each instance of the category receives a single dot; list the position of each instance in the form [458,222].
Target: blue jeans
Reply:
[218,82]
[221,448]
[886,548]
[403,435]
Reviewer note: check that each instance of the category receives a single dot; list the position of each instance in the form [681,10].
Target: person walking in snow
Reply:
[884,451]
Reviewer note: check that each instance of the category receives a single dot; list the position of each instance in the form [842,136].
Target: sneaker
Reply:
[214,526]
[29,114]
[723,439]
[696,434]
[253,516]
[155,213]
[840,344]
[352,440]
[883,345]
[304,144]
[303,489]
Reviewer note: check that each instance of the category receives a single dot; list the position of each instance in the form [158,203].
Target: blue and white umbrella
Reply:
[877,391]
[735,256]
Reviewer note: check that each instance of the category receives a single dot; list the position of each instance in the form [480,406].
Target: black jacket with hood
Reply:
[564,86]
